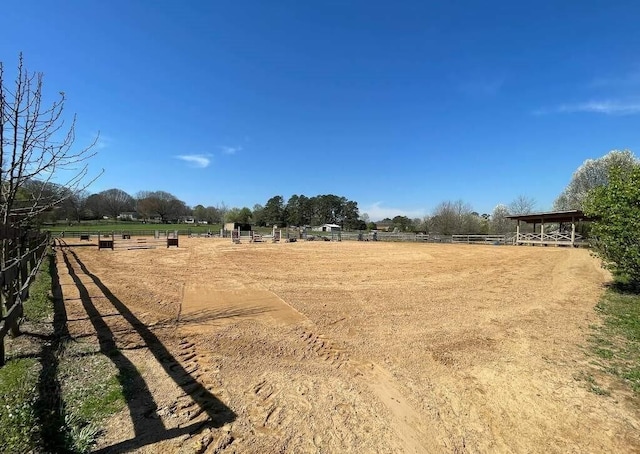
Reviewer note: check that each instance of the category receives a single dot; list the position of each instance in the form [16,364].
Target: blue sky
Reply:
[397,105]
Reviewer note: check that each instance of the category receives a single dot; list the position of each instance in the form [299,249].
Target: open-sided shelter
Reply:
[565,235]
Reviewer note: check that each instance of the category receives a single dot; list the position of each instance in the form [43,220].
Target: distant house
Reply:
[188,219]
[384,225]
[128,216]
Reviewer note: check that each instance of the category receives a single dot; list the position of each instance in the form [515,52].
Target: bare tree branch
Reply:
[36,145]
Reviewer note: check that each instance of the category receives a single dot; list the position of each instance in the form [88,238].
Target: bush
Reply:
[616,232]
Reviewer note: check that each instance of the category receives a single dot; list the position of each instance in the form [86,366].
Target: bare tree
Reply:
[223,209]
[160,203]
[75,205]
[499,222]
[116,201]
[36,147]
[95,206]
[522,205]
[451,218]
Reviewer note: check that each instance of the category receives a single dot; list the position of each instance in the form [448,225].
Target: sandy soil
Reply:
[352,347]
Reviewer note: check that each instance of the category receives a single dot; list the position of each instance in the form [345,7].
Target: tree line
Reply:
[165,207]
[448,218]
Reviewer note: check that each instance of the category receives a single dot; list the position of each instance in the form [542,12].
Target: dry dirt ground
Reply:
[351,347]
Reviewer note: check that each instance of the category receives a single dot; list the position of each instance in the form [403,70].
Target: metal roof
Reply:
[551,216]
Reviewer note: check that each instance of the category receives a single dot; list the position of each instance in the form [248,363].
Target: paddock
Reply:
[363,346]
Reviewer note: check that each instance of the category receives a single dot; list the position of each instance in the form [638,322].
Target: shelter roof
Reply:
[552,216]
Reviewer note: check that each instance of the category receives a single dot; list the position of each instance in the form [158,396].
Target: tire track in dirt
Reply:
[407,423]
[198,371]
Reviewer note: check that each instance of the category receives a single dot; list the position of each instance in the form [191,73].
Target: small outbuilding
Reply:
[234,226]
[328,228]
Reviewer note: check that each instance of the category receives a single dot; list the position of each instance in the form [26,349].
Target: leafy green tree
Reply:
[350,215]
[240,215]
[299,210]
[200,213]
[616,232]
[273,211]
[258,215]
[292,210]
[402,223]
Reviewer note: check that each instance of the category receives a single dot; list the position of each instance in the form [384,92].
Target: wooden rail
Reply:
[15,279]
[479,239]
[553,238]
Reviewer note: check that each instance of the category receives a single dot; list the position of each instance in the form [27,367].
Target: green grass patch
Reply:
[94,396]
[19,431]
[131,227]
[91,391]
[39,306]
[617,341]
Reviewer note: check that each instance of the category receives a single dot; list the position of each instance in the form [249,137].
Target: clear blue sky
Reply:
[396,105]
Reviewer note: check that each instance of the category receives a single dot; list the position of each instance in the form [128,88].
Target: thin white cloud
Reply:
[230,150]
[605,107]
[601,107]
[199,161]
[377,212]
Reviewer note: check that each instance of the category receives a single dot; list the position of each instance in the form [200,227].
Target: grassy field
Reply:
[138,228]
[131,227]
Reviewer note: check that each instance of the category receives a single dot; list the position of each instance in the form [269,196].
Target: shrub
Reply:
[616,232]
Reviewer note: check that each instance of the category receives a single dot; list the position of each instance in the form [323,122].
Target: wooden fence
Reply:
[479,239]
[15,278]
[391,236]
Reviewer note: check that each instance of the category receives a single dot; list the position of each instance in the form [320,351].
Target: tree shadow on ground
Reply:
[624,288]
[148,429]
[50,407]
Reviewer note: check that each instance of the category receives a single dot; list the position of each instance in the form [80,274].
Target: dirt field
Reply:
[352,347]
